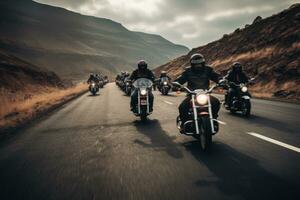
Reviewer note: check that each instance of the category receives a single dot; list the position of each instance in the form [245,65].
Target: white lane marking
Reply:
[275,141]
[168,102]
[221,122]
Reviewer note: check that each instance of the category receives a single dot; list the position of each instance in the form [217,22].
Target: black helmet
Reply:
[142,64]
[237,67]
[197,59]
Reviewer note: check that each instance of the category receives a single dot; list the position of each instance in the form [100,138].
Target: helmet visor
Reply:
[197,61]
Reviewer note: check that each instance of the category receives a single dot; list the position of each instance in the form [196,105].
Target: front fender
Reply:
[246,97]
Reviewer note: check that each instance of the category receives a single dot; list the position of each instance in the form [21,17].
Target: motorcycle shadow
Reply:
[263,121]
[91,95]
[169,95]
[159,138]
[237,174]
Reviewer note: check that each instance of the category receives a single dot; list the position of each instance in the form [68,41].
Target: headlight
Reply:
[202,99]
[143,92]
[127,83]
[165,83]
[93,84]
[244,89]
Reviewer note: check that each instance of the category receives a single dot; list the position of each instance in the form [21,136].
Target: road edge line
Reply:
[282,144]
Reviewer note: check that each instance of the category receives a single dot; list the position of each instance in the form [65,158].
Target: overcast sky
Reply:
[188,22]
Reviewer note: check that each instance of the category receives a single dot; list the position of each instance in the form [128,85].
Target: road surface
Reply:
[94,148]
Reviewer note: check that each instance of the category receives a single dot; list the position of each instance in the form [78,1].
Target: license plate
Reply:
[143,102]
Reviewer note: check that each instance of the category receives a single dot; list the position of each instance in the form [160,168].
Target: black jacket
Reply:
[198,79]
[237,78]
[136,74]
[92,79]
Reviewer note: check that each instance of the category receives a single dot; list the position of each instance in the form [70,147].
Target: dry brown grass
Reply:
[18,107]
[258,54]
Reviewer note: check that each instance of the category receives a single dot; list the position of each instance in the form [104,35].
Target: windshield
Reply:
[163,79]
[142,83]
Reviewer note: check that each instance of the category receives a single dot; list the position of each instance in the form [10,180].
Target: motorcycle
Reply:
[241,102]
[101,83]
[128,87]
[93,88]
[201,124]
[106,81]
[122,84]
[164,86]
[143,87]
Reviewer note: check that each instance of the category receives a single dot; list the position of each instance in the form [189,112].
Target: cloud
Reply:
[234,12]
[191,22]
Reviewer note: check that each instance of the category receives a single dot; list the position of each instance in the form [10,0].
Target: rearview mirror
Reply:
[251,81]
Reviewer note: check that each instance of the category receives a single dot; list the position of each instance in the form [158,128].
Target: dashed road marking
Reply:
[290,147]
[168,102]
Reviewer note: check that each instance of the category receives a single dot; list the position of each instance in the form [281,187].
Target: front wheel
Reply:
[143,114]
[128,91]
[246,108]
[206,134]
[232,111]
[143,117]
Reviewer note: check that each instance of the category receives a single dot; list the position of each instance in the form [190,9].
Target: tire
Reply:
[232,111]
[143,115]
[246,108]
[206,134]
[166,92]
[128,91]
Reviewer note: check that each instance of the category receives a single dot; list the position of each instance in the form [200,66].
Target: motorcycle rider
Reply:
[92,78]
[98,77]
[126,75]
[163,74]
[198,76]
[236,76]
[141,72]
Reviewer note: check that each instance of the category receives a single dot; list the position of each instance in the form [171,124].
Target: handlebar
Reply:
[193,91]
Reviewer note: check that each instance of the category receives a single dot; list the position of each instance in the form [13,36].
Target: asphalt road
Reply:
[94,148]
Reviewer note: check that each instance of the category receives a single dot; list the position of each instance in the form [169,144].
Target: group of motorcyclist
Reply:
[96,81]
[124,82]
[198,75]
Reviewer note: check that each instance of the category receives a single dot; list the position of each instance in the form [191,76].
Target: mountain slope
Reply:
[269,49]
[17,75]
[72,44]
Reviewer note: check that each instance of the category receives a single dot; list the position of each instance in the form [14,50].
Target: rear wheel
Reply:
[206,134]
